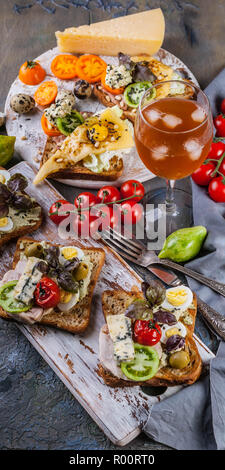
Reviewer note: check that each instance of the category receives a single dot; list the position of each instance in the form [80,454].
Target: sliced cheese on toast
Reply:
[141,33]
[77,146]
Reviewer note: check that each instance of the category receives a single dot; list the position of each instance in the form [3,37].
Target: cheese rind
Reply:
[141,33]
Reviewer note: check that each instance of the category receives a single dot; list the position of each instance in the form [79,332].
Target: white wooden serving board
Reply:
[31,140]
[74,358]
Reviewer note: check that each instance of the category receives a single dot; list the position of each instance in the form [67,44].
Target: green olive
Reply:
[179,359]
[34,250]
[81,272]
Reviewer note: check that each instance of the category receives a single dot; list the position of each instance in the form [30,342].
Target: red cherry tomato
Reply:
[219,123]
[84,224]
[54,211]
[131,212]
[202,175]
[131,187]
[146,332]
[217,189]
[222,107]
[85,200]
[217,149]
[47,293]
[108,194]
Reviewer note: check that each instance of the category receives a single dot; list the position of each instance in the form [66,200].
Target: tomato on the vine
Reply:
[131,212]
[55,209]
[217,149]
[84,224]
[108,194]
[222,107]
[85,200]
[219,123]
[217,189]
[147,332]
[131,187]
[202,175]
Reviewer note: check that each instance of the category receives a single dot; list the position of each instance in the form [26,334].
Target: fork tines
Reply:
[124,246]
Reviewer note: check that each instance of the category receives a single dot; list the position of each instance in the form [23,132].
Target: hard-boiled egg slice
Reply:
[6,224]
[67,253]
[67,300]
[4,176]
[179,298]
[168,330]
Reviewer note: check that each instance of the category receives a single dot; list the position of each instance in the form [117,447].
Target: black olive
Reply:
[82,89]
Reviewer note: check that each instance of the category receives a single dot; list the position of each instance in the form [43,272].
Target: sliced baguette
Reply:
[79,171]
[116,302]
[77,320]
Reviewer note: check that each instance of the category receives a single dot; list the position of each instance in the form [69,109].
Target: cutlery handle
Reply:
[214,285]
[214,319]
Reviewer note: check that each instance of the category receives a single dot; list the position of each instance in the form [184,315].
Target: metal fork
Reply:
[135,252]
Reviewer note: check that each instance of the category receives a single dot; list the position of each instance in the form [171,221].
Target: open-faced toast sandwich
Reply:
[148,337]
[91,150]
[19,213]
[51,284]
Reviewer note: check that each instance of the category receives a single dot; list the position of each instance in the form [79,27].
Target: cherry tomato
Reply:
[85,224]
[217,149]
[31,73]
[217,189]
[54,211]
[219,123]
[47,293]
[85,200]
[131,187]
[202,175]
[131,212]
[146,332]
[108,194]
[222,107]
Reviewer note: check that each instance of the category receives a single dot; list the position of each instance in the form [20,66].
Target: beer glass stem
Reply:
[170,204]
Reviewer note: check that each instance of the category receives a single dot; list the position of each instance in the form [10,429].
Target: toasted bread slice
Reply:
[23,229]
[79,171]
[116,302]
[77,320]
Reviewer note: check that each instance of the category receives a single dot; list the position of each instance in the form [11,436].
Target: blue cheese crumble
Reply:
[117,76]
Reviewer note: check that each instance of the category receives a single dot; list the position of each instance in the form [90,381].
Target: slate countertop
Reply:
[36,409]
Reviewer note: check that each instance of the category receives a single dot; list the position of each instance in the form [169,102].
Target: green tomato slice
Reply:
[7,301]
[134,92]
[144,365]
[67,124]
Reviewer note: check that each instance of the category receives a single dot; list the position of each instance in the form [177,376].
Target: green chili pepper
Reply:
[6,148]
[184,244]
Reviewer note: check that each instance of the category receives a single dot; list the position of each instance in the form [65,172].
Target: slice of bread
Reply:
[79,171]
[23,230]
[77,320]
[116,302]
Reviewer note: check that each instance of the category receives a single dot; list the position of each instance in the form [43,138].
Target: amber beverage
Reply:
[173,137]
[173,134]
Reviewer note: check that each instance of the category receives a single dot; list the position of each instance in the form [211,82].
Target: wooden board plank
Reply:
[118,412]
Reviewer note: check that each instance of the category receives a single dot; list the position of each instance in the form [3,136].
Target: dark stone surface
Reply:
[36,409]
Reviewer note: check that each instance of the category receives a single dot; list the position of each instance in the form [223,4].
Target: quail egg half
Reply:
[6,224]
[179,298]
[168,330]
[4,176]
[22,103]
[67,300]
[67,253]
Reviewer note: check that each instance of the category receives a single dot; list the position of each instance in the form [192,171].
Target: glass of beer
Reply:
[173,135]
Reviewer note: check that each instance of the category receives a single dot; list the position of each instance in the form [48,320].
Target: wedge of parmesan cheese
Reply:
[141,33]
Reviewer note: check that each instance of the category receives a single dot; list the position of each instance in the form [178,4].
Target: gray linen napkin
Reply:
[194,418]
